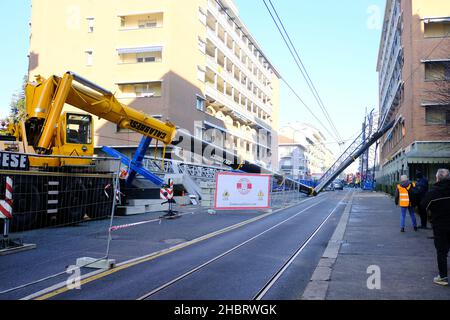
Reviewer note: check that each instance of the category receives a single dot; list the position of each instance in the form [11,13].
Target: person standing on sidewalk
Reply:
[402,199]
[437,200]
[422,186]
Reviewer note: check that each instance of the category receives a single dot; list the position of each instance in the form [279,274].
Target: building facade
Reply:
[193,63]
[293,158]
[303,150]
[413,68]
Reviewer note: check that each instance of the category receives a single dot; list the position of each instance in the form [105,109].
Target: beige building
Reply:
[303,151]
[413,66]
[190,62]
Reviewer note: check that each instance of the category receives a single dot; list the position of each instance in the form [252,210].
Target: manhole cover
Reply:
[174,241]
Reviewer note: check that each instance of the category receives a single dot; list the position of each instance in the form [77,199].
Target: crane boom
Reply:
[94,100]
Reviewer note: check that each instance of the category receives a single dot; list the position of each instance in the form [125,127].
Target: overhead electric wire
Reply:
[284,80]
[300,65]
[306,106]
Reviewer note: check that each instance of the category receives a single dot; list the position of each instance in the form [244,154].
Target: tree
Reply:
[439,75]
[17,105]
[441,90]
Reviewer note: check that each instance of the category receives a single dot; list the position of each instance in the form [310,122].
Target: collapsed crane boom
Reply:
[355,150]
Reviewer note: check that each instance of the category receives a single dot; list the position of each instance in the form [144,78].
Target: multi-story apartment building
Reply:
[306,147]
[192,62]
[293,158]
[413,63]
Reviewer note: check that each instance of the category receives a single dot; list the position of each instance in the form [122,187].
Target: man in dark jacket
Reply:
[437,200]
[422,186]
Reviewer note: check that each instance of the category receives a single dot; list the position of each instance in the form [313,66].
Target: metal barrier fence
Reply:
[284,195]
[58,190]
[196,171]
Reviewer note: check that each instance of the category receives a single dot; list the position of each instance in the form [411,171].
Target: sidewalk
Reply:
[372,237]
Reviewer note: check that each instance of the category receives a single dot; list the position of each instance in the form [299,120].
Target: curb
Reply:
[317,287]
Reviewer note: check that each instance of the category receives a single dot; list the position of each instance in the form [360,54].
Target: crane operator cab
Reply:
[75,137]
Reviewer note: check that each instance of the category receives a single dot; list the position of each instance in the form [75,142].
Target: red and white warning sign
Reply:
[7,204]
[166,193]
[242,191]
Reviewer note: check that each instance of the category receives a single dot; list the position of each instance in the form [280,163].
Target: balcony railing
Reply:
[229,78]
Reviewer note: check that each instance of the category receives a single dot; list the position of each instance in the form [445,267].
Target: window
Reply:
[146,90]
[147,24]
[145,57]
[200,103]
[437,29]
[202,45]
[202,16]
[437,71]
[437,115]
[201,74]
[78,129]
[91,22]
[199,132]
[89,58]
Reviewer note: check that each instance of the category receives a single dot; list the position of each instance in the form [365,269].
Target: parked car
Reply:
[338,185]
[330,187]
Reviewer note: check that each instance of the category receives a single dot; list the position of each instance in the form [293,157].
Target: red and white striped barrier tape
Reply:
[125,226]
[6,206]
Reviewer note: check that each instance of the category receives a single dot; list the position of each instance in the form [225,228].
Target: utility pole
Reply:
[362,160]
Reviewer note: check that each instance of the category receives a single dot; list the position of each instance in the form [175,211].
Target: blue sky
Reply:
[337,41]
[14,32]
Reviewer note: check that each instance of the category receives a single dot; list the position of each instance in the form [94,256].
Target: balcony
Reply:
[223,20]
[228,102]
[140,90]
[229,78]
[141,20]
[229,53]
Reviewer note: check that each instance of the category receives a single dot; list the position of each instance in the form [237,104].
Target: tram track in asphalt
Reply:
[275,277]
[58,288]
[57,293]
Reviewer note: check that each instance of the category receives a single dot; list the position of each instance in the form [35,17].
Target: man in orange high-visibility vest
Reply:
[402,199]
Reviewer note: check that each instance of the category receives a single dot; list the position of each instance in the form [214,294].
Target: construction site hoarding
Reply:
[236,191]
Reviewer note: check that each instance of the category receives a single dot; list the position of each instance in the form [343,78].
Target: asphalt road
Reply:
[262,247]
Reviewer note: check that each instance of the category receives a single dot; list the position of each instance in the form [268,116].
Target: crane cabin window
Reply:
[78,129]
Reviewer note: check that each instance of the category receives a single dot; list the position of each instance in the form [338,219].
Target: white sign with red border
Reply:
[236,191]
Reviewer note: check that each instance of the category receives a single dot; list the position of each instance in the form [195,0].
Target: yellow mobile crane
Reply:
[63,172]
[46,130]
